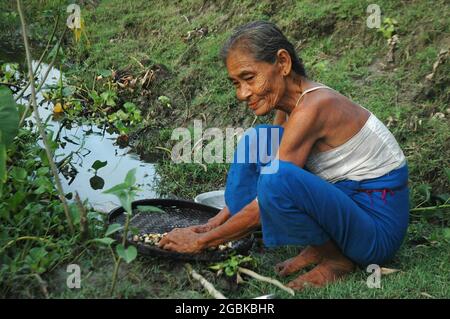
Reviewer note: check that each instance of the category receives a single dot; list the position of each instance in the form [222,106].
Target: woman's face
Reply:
[260,84]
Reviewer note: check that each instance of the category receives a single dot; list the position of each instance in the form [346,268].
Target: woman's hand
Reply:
[201,228]
[182,240]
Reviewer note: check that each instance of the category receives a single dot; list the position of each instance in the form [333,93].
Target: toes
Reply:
[283,269]
[296,285]
[279,268]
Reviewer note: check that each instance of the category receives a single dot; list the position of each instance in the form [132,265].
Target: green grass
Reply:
[423,262]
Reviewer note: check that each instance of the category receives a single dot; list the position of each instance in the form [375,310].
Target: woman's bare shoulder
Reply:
[316,106]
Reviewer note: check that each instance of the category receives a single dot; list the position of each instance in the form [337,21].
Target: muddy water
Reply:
[81,145]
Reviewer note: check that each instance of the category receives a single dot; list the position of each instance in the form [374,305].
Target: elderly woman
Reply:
[337,184]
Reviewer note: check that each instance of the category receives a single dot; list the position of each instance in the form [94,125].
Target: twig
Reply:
[44,78]
[254,120]
[41,58]
[39,122]
[138,62]
[115,273]
[84,229]
[164,149]
[429,208]
[272,281]
[205,283]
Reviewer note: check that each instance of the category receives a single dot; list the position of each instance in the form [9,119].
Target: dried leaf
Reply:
[427,295]
[239,279]
[388,271]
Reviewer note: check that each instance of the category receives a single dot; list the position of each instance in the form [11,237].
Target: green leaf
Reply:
[2,163]
[447,172]
[106,240]
[216,266]
[97,182]
[125,200]
[16,199]
[113,228]
[115,190]
[150,209]
[122,115]
[165,100]
[444,198]
[130,179]
[99,164]
[129,254]
[129,106]
[75,214]
[43,171]
[43,157]
[9,117]
[229,271]
[109,98]
[105,73]
[18,173]
[425,190]
[37,253]
[446,232]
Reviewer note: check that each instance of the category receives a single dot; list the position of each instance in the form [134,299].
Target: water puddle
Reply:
[82,145]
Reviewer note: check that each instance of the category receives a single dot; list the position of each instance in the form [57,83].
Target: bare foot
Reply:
[328,271]
[308,256]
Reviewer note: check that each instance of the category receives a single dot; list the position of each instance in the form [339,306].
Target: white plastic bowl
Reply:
[213,198]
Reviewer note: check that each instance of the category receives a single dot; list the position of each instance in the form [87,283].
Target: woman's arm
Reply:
[304,128]
[238,226]
[213,222]
[184,240]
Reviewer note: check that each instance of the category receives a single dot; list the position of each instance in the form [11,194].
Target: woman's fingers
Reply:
[164,241]
[180,240]
[168,238]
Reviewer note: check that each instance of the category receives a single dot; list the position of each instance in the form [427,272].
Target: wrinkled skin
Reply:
[182,240]
[260,84]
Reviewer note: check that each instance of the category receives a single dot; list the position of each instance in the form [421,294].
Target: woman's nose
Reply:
[243,92]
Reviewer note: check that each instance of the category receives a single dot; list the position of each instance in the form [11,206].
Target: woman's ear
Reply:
[284,62]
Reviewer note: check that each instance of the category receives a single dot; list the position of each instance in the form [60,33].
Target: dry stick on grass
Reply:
[205,283]
[39,122]
[272,281]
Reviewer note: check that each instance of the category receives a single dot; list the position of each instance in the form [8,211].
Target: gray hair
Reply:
[262,40]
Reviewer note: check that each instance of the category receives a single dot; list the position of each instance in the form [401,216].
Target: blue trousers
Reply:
[367,219]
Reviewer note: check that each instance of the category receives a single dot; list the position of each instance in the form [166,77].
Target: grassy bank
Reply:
[177,43]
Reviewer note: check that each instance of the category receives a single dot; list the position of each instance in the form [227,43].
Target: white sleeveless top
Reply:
[370,153]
